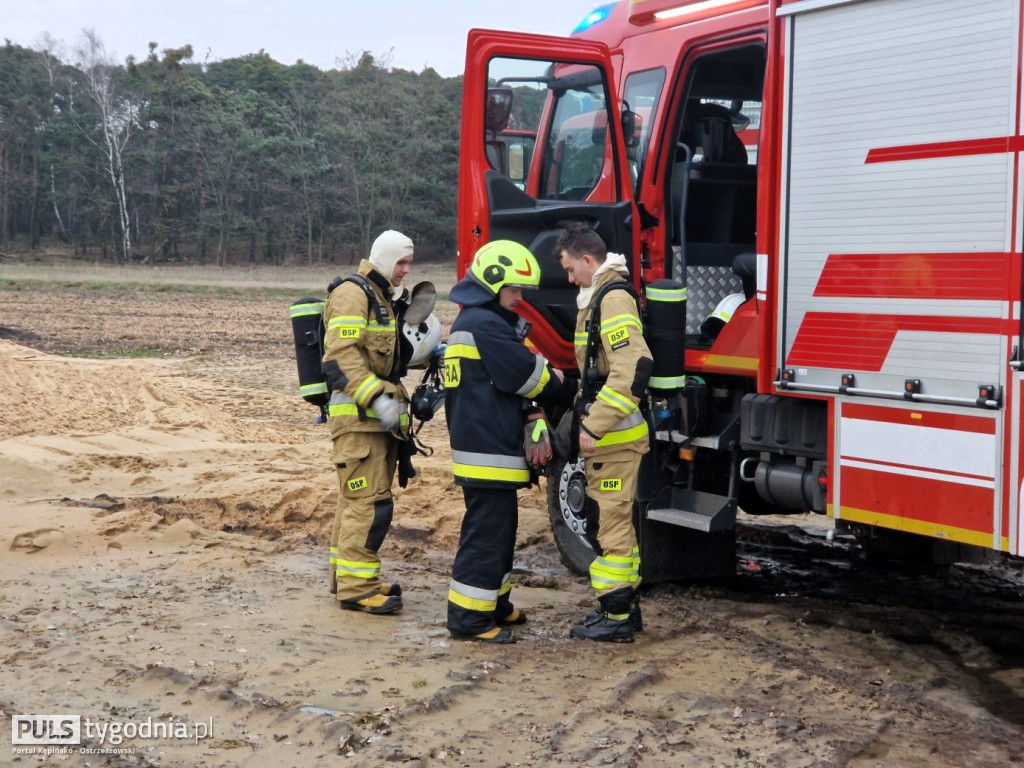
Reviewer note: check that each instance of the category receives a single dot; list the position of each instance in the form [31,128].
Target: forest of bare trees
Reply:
[240,160]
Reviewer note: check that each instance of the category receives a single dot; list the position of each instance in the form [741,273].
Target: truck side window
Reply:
[641,93]
[554,143]
[575,151]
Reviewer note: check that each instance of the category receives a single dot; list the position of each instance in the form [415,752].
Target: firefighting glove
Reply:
[537,443]
[406,450]
[387,411]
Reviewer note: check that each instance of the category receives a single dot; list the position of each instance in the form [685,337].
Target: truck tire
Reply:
[572,514]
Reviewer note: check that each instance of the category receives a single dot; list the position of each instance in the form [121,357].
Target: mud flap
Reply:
[672,553]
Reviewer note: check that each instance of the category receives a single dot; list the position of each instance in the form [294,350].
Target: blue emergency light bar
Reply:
[594,17]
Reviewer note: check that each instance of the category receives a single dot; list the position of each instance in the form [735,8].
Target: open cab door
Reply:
[543,146]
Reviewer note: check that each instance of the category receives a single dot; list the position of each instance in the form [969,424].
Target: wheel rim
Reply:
[572,497]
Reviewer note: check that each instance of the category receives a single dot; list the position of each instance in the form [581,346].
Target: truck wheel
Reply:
[568,505]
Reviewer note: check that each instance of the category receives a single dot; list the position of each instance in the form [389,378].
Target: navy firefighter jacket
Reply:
[490,378]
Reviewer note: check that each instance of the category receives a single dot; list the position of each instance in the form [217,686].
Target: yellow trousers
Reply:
[365,464]
[611,482]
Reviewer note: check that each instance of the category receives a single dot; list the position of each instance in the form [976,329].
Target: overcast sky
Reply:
[320,32]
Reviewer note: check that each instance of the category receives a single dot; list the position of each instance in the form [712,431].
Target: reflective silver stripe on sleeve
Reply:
[341,399]
[534,380]
[633,420]
[462,337]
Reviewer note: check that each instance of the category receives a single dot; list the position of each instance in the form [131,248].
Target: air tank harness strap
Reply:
[592,381]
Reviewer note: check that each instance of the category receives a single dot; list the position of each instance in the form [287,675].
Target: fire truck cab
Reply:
[836,185]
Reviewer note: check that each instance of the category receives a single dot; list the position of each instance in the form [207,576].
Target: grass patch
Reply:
[243,277]
[108,288]
[125,354]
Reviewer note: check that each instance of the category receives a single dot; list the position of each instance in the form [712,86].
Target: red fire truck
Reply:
[848,173]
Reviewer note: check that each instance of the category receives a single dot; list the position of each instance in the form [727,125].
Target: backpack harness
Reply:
[592,381]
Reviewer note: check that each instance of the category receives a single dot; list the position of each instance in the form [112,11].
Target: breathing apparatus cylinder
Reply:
[307,327]
[666,329]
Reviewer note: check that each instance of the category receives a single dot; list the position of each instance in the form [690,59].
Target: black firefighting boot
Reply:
[610,623]
[636,619]
[387,598]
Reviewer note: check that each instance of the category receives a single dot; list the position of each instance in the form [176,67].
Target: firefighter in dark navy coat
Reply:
[498,435]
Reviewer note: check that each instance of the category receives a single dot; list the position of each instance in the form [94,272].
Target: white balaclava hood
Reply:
[388,249]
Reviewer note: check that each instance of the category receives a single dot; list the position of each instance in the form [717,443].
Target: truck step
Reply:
[697,510]
[719,437]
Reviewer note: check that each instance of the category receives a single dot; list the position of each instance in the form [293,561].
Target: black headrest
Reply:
[710,128]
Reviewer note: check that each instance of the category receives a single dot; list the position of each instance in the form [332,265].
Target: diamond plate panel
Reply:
[705,287]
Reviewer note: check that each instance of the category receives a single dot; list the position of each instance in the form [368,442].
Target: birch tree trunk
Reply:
[49,49]
[117,118]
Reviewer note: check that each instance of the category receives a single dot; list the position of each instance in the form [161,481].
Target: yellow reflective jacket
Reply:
[623,363]
[365,348]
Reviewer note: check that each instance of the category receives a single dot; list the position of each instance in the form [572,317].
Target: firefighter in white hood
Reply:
[368,413]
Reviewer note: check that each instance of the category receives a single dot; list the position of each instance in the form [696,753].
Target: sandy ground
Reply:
[163,524]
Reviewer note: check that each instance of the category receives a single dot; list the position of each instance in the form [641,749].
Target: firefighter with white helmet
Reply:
[368,413]
[423,339]
[496,436]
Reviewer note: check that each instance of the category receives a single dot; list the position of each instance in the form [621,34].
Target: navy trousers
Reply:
[481,585]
